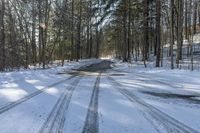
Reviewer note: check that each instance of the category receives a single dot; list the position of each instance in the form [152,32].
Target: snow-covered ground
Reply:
[174,92]
[124,99]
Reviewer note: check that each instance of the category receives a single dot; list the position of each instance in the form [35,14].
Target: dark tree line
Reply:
[37,32]
[139,29]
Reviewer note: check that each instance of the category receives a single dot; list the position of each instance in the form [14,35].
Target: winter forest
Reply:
[40,31]
[99,66]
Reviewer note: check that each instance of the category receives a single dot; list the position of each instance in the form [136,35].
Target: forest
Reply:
[37,32]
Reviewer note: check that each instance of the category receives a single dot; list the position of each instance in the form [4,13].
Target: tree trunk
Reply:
[79,32]
[124,43]
[146,29]
[172,34]
[129,29]
[2,35]
[195,18]
[72,31]
[179,31]
[158,32]
[33,43]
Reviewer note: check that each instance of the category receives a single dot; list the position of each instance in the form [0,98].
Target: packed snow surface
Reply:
[127,98]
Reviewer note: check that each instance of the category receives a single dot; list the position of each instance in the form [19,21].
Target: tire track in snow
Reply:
[56,119]
[177,87]
[149,77]
[91,123]
[156,80]
[169,123]
[166,83]
[11,105]
[153,80]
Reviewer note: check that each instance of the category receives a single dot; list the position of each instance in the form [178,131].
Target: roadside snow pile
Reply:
[172,76]
[196,38]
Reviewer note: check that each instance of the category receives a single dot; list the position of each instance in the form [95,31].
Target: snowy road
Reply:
[98,99]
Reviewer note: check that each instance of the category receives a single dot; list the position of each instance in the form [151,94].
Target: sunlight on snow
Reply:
[12,94]
[106,58]
[52,91]
[32,81]
[103,85]
[9,85]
